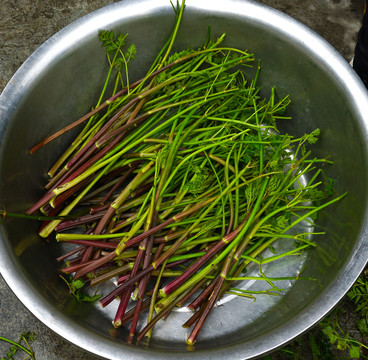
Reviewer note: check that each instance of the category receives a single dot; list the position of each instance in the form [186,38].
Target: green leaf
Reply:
[314,347]
[341,344]
[111,48]
[363,327]
[119,63]
[200,180]
[77,284]
[354,352]
[29,336]
[120,39]
[329,187]
[272,249]
[90,298]
[328,331]
[313,136]
[131,52]
[303,150]
[101,35]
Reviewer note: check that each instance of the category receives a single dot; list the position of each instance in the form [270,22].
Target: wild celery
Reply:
[190,162]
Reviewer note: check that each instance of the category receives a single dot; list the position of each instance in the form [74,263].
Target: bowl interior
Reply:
[62,80]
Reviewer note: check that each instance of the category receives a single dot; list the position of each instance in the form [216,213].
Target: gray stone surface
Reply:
[26,24]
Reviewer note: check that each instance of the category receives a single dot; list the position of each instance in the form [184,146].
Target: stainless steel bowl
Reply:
[61,80]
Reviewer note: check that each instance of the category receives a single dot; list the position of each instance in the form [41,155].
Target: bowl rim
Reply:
[104,17]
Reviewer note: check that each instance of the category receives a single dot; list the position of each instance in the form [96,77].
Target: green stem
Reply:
[29,352]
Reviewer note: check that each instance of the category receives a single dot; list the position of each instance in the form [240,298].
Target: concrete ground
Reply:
[26,24]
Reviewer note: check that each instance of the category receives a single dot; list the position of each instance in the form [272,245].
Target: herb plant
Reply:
[21,346]
[76,287]
[181,175]
[359,295]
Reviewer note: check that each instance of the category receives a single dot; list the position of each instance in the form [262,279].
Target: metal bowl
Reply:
[61,80]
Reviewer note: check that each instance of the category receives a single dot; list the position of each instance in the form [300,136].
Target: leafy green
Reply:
[22,345]
[114,48]
[201,142]
[76,289]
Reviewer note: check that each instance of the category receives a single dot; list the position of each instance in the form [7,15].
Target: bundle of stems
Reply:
[179,181]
